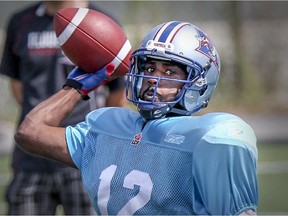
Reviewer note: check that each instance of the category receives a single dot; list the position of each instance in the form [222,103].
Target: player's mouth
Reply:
[148,95]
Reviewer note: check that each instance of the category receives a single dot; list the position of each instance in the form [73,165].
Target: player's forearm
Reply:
[52,111]
[39,133]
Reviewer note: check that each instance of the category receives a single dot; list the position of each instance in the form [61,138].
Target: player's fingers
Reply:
[110,69]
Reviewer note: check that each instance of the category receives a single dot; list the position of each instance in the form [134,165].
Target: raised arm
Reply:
[40,134]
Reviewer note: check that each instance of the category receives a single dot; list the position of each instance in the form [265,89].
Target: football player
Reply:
[161,159]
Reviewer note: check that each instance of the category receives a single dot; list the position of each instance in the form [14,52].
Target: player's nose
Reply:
[152,81]
[156,76]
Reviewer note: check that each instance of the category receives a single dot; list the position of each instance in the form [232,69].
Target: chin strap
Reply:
[180,111]
[160,112]
[154,113]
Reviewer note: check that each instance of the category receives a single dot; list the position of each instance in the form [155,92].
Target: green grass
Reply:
[5,162]
[273,184]
[273,179]
[273,191]
[4,178]
[273,152]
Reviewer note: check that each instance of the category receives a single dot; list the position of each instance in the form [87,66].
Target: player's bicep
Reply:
[55,145]
[225,175]
[226,168]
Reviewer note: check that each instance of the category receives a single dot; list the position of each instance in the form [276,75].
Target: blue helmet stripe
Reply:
[167,31]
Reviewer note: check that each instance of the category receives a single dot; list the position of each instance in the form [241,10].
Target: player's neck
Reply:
[53,6]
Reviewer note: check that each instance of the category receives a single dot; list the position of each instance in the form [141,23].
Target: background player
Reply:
[161,160]
[37,69]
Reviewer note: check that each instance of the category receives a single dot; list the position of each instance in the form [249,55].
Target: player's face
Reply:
[167,90]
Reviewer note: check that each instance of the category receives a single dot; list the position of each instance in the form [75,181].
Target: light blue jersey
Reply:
[178,165]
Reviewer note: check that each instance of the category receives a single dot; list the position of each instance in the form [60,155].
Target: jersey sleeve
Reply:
[226,170]
[75,141]
[10,61]
[75,136]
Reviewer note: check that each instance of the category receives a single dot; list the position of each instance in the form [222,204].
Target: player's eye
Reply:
[169,72]
[149,69]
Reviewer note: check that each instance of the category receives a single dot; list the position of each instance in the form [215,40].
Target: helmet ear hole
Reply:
[140,62]
[192,72]
[202,91]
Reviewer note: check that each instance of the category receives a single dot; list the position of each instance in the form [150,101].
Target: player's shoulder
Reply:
[221,118]
[26,11]
[206,122]
[215,128]
[113,113]
[23,16]
[119,120]
[229,129]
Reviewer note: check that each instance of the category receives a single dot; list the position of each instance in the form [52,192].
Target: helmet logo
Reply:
[159,46]
[207,48]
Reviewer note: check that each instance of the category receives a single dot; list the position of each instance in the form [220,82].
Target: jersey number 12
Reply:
[135,177]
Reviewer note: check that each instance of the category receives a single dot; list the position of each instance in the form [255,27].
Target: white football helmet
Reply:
[183,43]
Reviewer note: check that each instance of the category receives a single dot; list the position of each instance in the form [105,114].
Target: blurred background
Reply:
[251,38]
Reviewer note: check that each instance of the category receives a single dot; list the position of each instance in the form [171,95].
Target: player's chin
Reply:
[150,98]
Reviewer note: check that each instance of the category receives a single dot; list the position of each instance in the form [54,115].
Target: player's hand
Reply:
[87,82]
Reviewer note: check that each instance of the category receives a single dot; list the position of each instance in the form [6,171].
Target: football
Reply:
[91,40]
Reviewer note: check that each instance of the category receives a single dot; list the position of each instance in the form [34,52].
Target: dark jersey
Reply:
[32,55]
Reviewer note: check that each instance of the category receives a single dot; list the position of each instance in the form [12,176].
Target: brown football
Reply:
[91,40]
